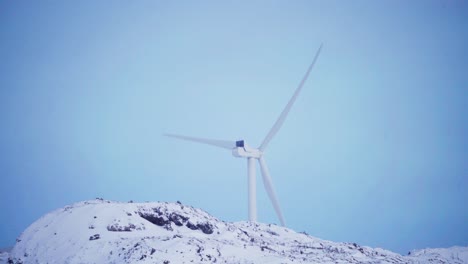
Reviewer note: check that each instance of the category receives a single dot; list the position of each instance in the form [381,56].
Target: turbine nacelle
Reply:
[242,150]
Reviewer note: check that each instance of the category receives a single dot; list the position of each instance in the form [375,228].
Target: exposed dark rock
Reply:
[245,232]
[158,211]
[168,227]
[266,247]
[191,226]
[272,233]
[95,237]
[200,249]
[117,228]
[177,219]
[358,248]
[206,228]
[159,221]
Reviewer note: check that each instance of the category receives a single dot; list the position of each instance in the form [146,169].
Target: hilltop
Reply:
[100,231]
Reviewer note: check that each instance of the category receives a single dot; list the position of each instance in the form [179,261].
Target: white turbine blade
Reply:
[218,143]
[270,190]
[285,112]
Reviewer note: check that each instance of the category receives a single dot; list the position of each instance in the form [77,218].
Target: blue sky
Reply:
[374,150]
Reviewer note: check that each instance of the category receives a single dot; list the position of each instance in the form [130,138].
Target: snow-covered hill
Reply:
[3,256]
[100,231]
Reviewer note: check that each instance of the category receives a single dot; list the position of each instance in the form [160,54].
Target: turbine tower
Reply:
[240,149]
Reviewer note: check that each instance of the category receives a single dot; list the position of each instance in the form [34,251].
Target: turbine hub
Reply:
[242,150]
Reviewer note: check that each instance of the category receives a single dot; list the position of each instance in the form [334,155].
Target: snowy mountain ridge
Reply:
[100,231]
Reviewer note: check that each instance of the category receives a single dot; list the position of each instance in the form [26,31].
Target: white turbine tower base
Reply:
[240,149]
[252,189]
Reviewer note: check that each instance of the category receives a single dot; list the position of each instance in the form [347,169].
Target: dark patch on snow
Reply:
[95,237]
[158,211]
[206,228]
[191,226]
[266,247]
[177,219]
[273,233]
[163,218]
[159,221]
[117,228]
[358,248]
[199,249]
[168,227]
[245,232]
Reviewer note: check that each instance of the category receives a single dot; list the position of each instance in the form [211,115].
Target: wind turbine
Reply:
[240,149]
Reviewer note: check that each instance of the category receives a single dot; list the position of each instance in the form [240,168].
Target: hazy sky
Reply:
[375,150]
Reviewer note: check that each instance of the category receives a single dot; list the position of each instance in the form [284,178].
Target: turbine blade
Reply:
[270,190]
[279,122]
[217,143]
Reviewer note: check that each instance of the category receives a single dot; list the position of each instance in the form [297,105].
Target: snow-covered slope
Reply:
[3,256]
[100,231]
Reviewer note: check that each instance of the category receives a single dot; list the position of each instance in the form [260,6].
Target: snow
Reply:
[100,231]
[4,257]
[439,255]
